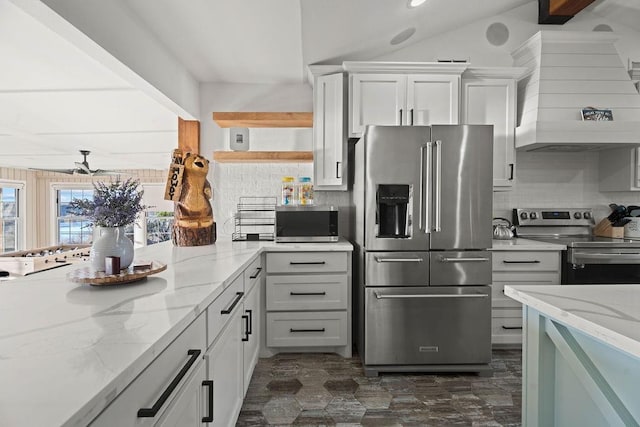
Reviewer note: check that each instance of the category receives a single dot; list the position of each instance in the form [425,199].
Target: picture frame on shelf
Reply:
[597,114]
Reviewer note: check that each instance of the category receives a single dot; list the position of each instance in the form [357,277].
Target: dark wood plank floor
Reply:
[325,389]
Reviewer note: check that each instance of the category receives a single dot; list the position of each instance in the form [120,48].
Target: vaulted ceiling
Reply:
[55,99]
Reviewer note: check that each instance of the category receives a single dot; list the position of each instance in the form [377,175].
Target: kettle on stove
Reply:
[503,231]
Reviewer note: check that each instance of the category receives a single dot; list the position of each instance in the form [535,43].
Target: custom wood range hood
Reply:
[263,120]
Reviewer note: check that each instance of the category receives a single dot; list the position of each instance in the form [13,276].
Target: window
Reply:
[71,229]
[9,218]
[159,224]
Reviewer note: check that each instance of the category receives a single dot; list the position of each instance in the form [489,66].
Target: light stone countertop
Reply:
[609,313]
[519,244]
[67,350]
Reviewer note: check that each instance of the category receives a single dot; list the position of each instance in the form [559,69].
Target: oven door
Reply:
[601,266]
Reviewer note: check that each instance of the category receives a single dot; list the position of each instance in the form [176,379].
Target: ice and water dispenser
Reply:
[393,209]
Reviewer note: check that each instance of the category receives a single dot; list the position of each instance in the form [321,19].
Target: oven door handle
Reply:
[604,258]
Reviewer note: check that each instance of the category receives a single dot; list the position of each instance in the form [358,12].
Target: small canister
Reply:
[305,191]
[632,228]
[288,190]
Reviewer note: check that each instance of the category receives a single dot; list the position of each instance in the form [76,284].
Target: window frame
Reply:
[21,240]
[55,187]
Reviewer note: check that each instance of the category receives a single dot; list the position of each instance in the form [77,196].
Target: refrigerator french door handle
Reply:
[424,189]
[438,187]
[412,296]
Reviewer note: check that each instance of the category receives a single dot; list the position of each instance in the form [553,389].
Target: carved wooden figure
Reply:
[193,217]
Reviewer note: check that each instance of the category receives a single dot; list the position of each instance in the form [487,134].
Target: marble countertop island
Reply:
[609,313]
[580,354]
[66,350]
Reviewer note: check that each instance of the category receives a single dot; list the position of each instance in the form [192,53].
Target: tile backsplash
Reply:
[559,180]
[542,180]
[234,180]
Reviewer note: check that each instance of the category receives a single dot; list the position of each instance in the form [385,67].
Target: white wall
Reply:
[470,42]
[232,181]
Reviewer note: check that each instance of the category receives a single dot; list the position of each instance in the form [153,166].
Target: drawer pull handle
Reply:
[257,273]
[535,261]
[511,327]
[307,263]
[414,296]
[151,412]
[209,418]
[246,328]
[250,328]
[233,305]
[307,293]
[306,330]
[446,259]
[378,259]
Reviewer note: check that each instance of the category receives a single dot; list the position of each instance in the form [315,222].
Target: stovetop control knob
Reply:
[577,215]
[523,215]
[533,215]
[587,215]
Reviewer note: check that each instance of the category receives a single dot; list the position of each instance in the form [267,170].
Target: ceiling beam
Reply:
[557,12]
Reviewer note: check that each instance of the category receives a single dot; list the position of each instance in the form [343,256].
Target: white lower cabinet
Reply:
[225,368]
[251,332]
[308,302]
[166,387]
[194,405]
[517,268]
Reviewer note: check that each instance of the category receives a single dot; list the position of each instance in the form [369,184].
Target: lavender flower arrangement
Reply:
[113,205]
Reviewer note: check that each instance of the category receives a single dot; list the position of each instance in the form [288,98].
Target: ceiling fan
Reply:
[82,168]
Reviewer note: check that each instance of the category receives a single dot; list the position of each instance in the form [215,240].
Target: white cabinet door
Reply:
[493,102]
[225,368]
[376,99]
[193,405]
[432,99]
[252,334]
[329,136]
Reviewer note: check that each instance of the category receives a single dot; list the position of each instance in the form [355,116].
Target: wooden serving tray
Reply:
[98,278]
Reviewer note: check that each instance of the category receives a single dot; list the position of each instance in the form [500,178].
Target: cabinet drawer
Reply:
[526,261]
[306,262]
[506,330]
[500,280]
[252,274]
[498,312]
[220,310]
[145,390]
[306,292]
[307,329]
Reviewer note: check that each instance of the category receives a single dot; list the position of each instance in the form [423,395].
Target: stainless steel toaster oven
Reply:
[306,224]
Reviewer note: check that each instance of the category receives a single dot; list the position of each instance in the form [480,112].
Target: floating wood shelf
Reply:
[263,156]
[263,120]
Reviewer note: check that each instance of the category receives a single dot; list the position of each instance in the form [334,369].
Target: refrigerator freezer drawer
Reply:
[426,325]
[458,268]
[397,269]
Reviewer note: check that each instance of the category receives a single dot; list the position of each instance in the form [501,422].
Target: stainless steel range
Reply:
[588,259]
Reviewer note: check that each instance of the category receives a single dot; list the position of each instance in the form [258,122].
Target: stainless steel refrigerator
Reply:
[422,200]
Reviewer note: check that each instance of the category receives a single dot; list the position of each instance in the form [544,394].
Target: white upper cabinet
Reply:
[402,94]
[329,134]
[432,99]
[376,99]
[489,97]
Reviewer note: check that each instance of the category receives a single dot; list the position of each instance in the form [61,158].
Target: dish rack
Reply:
[255,219]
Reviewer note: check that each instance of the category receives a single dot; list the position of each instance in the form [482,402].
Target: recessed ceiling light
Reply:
[416,3]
